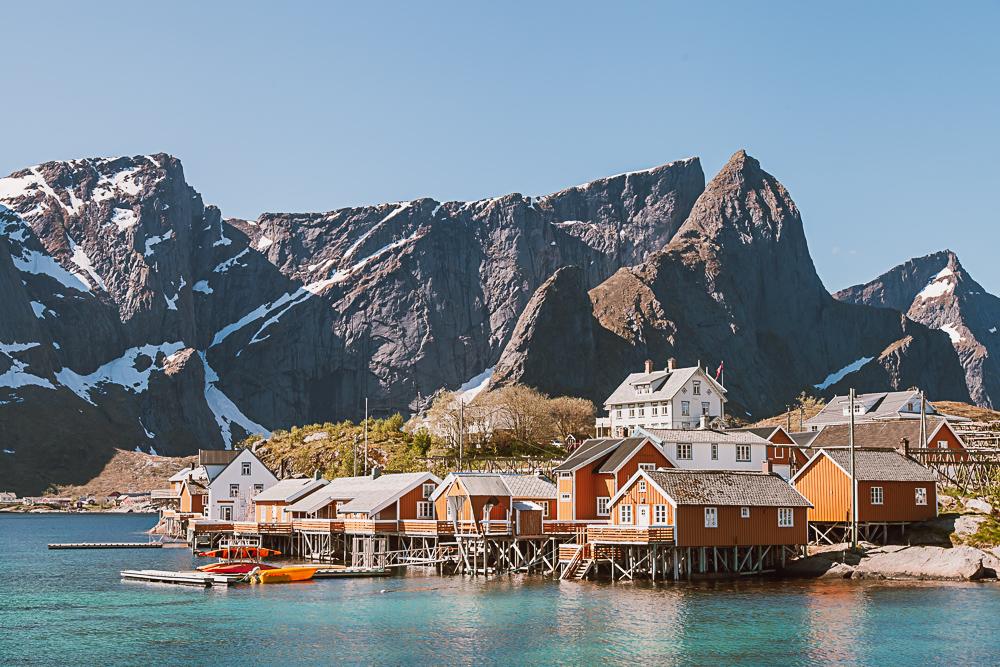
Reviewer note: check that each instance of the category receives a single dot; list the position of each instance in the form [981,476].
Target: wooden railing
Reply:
[208,526]
[319,525]
[561,527]
[428,527]
[629,534]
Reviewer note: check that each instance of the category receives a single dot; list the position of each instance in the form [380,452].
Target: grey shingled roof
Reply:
[760,431]
[348,488]
[885,434]
[625,449]
[530,486]
[880,465]
[289,489]
[484,485]
[587,451]
[804,438]
[727,487]
[878,405]
[217,457]
[664,385]
[692,435]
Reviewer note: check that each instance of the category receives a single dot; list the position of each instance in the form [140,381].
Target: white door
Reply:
[642,518]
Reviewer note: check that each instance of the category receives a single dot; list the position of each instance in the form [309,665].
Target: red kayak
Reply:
[239,552]
[235,568]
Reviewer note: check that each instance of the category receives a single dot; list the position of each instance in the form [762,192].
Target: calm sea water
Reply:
[69,607]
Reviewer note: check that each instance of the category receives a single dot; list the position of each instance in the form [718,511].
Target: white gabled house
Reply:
[232,490]
[709,449]
[672,398]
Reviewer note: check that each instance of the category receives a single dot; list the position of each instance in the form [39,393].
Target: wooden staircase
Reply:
[579,566]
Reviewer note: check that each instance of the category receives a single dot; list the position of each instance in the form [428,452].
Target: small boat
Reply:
[235,567]
[235,552]
[282,575]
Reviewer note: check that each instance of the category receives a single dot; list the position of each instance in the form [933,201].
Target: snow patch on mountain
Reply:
[837,376]
[226,412]
[122,371]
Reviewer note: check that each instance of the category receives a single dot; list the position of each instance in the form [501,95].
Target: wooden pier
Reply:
[106,545]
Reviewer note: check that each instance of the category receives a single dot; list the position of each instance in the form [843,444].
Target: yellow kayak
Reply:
[283,575]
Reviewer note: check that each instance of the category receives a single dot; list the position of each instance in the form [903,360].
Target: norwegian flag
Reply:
[718,371]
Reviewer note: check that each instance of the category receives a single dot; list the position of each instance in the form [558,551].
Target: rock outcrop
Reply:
[140,317]
[937,291]
[960,563]
[737,284]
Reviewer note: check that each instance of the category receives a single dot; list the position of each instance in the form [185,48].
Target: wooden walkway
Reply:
[106,545]
[193,578]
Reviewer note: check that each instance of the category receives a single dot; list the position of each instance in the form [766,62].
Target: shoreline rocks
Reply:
[897,562]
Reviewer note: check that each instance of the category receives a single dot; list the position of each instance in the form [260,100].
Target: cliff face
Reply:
[937,291]
[735,284]
[136,316]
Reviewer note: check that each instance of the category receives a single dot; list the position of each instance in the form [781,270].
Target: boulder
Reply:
[978,505]
[961,563]
[967,524]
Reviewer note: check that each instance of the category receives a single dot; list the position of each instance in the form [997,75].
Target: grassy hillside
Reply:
[129,471]
[973,412]
[331,448]
[805,408]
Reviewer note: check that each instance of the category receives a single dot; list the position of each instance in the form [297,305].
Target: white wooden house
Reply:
[231,491]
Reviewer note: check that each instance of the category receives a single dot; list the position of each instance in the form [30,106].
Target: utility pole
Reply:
[355,455]
[366,435]
[788,418]
[854,481]
[461,431]
[923,420]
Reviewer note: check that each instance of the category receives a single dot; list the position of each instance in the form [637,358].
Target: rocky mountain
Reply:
[938,292]
[138,317]
[736,284]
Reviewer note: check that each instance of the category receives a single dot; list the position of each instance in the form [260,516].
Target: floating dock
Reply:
[193,578]
[332,573]
[106,545]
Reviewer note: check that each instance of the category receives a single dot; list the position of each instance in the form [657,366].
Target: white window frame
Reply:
[685,408]
[246,469]
[234,490]
[942,444]
[706,408]
[689,450]
[786,517]
[642,412]
[565,474]
[696,388]
[655,409]
[715,451]
[618,414]
[258,488]
[545,507]
[226,513]
[743,448]
[566,497]
[450,512]
[744,512]
[711,517]
[603,506]
[877,495]
[425,509]
[920,495]
[642,486]
[659,515]
[647,466]
[427,488]
[625,514]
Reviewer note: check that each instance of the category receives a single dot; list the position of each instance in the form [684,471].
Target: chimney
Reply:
[767,467]
[376,472]
[905,445]
[671,364]
[703,422]
[649,366]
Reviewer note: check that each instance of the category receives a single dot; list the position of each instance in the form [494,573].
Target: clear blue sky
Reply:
[882,119]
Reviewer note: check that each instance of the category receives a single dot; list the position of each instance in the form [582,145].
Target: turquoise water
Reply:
[69,607]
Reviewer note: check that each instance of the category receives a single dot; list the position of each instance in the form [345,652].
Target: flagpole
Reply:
[366,435]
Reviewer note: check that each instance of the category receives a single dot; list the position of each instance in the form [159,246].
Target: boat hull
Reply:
[235,568]
[283,575]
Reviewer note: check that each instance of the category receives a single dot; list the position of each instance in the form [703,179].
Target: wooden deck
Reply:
[318,525]
[193,578]
[106,545]
[626,535]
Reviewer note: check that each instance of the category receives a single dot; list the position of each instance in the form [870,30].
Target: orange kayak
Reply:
[240,552]
[284,575]
[230,567]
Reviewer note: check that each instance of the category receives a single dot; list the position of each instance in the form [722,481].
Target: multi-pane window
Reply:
[744,512]
[257,488]
[942,444]
[921,495]
[642,412]
[786,517]
[659,514]
[711,517]
[226,513]
[642,486]
[428,489]
[878,497]
[704,408]
[684,451]
[647,466]
[246,469]
[425,510]
[545,507]
[656,410]
[685,408]
[715,451]
[631,411]
[618,414]
[625,514]
[234,490]
[743,453]
[565,497]
[696,388]
[603,503]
